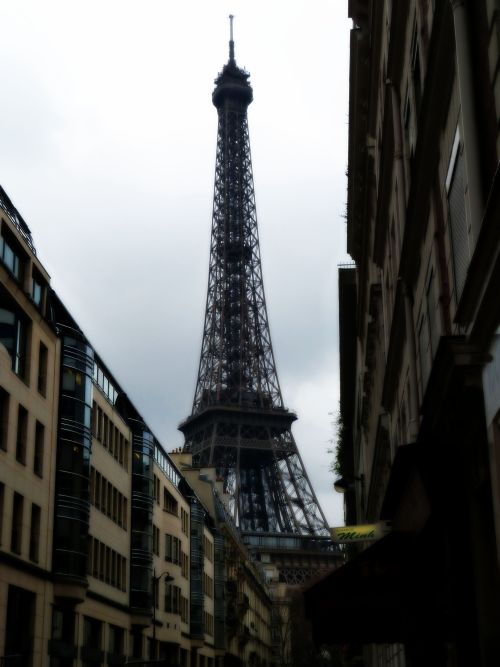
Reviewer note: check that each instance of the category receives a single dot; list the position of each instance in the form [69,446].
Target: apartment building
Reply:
[239,604]
[420,370]
[29,396]
[108,554]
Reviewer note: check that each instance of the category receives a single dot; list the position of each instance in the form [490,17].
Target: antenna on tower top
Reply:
[231,41]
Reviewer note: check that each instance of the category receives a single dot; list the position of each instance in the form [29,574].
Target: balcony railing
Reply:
[13,214]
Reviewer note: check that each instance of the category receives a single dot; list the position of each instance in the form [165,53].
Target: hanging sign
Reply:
[362,533]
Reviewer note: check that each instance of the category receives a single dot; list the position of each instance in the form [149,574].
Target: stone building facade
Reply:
[422,363]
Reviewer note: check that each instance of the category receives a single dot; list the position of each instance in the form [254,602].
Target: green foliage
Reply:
[340,464]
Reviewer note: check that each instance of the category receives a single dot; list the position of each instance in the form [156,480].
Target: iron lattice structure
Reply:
[238,422]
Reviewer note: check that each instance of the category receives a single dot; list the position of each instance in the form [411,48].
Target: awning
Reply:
[391,591]
[365,600]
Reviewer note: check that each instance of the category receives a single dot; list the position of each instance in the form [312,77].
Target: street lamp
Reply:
[168,578]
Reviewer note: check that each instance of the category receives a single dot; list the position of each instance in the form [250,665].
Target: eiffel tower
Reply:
[239,423]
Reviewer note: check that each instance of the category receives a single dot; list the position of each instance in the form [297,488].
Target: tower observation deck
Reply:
[238,422]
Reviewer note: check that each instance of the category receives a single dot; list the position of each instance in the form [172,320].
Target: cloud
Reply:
[108,139]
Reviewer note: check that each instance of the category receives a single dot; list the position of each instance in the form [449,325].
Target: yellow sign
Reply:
[366,532]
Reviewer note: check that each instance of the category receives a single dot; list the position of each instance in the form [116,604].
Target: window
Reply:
[184,565]
[104,384]
[99,424]
[165,464]
[94,419]
[172,549]
[22,434]
[111,438]
[11,256]
[115,640]
[107,499]
[169,502]
[105,430]
[35,532]
[17,524]
[157,489]
[92,632]
[39,449]
[106,564]
[172,599]
[4,418]
[137,643]
[185,521]
[208,623]
[209,548]
[208,585]
[184,610]
[14,335]
[63,625]
[156,540]
[36,288]
[42,369]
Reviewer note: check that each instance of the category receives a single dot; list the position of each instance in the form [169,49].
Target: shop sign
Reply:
[362,533]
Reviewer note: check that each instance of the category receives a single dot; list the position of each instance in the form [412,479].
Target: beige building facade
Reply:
[108,555]
[29,390]
[241,603]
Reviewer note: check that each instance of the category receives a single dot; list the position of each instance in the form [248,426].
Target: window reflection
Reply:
[13,337]
[36,292]
[104,384]
[10,258]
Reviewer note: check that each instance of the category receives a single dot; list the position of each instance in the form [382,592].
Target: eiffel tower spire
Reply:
[238,422]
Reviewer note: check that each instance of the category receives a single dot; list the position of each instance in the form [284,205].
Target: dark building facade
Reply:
[422,228]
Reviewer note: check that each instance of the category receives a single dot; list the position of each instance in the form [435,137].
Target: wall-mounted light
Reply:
[344,484]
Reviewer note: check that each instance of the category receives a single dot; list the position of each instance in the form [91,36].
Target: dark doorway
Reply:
[19,628]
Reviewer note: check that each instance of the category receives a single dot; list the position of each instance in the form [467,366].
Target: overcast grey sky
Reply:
[107,148]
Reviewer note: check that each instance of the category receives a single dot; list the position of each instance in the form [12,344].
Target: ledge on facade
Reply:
[197,641]
[69,592]
[140,620]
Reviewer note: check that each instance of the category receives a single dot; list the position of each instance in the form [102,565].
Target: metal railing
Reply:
[13,214]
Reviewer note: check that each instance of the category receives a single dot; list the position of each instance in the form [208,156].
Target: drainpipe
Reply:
[469,125]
